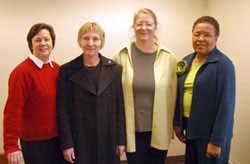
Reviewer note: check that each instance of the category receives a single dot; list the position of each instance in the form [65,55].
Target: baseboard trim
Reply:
[175,159]
[170,160]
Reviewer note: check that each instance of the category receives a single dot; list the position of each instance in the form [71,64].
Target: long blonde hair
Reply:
[148,12]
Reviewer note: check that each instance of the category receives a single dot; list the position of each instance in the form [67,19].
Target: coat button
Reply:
[80,134]
[110,130]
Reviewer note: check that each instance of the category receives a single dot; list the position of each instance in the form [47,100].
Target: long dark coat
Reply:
[90,121]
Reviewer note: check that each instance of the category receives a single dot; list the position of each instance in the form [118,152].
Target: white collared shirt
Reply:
[39,63]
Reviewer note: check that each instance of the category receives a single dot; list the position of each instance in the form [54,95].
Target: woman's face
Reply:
[90,44]
[204,38]
[42,45]
[144,27]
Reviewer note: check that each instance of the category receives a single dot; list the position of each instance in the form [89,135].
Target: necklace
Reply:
[196,64]
[90,67]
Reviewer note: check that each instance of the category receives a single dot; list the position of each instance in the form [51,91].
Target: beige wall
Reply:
[175,18]
[233,16]
[115,16]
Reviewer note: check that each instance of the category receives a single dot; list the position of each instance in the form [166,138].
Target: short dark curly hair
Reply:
[35,29]
[210,20]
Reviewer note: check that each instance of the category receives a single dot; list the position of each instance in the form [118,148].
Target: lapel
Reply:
[212,57]
[81,78]
[189,60]
[79,75]
[107,74]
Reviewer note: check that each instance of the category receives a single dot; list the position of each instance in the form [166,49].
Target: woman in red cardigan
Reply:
[30,111]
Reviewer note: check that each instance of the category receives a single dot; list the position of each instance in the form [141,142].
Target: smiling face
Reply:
[204,38]
[42,45]
[90,43]
[144,27]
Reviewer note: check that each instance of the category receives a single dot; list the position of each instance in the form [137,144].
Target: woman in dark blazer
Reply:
[90,104]
[206,98]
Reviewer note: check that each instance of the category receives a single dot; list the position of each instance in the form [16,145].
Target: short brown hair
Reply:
[35,29]
[91,27]
[210,20]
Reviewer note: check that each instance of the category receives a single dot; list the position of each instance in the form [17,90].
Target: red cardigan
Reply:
[30,110]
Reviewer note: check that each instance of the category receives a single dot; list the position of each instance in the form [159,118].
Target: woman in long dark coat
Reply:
[90,104]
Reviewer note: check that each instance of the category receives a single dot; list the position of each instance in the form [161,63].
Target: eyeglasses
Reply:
[204,35]
[141,25]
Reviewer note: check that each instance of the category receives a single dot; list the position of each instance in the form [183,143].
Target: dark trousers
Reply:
[42,152]
[145,154]
[196,151]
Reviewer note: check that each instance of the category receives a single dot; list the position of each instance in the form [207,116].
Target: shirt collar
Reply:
[39,63]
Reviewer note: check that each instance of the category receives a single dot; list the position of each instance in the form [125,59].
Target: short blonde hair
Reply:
[91,27]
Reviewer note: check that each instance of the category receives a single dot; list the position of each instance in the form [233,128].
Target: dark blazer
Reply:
[213,101]
[91,121]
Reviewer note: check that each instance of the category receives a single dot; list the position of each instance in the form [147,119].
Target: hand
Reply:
[179,133]
[15,157]
[69,155]
[213,150]
[120,149]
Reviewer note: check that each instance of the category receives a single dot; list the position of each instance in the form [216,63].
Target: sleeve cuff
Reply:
[219,141]
[11,150]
